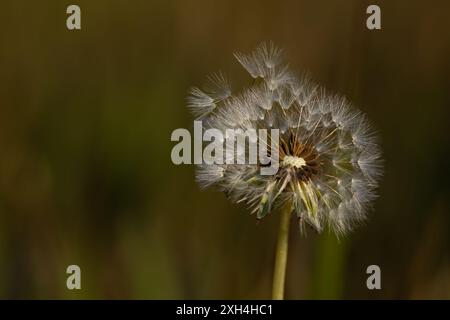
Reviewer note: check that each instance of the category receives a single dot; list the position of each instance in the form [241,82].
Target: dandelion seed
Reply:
[330,162]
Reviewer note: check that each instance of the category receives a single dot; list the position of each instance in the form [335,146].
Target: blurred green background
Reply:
[85,170]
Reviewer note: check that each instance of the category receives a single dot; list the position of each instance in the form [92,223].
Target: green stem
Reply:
[279,274]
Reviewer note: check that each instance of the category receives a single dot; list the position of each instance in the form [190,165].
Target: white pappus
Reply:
[330,160]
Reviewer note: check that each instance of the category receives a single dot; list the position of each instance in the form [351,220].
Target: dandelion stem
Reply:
[281,254]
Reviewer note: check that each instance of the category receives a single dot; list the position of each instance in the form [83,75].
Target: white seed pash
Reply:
[330,161]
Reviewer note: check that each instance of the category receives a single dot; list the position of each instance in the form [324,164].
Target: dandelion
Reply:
[329,158]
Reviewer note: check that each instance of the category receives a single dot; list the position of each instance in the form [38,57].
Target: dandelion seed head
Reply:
[330,161]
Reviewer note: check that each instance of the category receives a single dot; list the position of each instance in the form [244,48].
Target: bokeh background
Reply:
[85,170]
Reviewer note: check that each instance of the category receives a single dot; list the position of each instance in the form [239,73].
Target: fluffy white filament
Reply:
[344,144]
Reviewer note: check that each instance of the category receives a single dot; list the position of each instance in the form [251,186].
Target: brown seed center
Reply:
[303,158]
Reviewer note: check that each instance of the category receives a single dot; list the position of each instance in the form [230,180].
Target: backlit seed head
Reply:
[330,161]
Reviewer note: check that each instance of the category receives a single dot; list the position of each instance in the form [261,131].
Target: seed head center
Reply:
[293,161]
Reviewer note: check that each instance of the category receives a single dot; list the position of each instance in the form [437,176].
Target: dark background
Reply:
[85,170]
